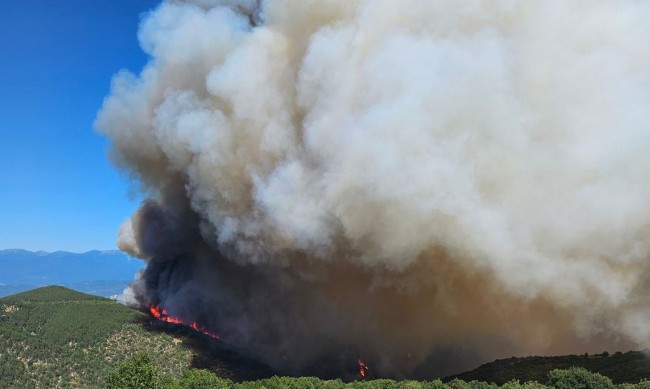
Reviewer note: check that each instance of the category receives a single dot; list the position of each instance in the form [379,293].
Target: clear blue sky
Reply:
[57,189]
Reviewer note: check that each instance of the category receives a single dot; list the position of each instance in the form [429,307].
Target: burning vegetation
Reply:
[364,370]
[162,315]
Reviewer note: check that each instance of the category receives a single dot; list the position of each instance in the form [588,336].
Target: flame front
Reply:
[363,369]
[162,315]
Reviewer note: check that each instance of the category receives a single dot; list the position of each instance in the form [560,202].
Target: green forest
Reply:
[56,337]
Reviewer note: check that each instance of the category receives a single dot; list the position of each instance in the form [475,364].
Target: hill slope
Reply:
[56,337]
[627,367]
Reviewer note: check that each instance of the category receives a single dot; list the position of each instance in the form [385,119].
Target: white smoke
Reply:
[474,164]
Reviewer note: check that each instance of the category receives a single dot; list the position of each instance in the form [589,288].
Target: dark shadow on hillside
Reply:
[211,354]
[628,367]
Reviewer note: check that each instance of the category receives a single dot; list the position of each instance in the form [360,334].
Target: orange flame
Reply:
[162,315]
[363,369]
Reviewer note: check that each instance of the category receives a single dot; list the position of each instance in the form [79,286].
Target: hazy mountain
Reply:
[103,273]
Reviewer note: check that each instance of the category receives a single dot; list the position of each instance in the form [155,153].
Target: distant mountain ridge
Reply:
[102,272]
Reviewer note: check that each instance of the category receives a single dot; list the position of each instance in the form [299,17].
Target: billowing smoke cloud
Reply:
[422,184]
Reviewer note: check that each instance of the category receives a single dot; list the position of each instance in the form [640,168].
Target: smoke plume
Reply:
[421,184]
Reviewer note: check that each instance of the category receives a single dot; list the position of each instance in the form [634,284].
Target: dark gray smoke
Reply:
[421,184]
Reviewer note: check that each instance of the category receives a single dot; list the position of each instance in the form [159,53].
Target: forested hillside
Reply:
[56,337]
[631,366]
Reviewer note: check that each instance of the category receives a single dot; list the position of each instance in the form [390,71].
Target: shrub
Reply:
[643,384]
[282,383]
[435,384]
[482,385]
[458,384]
[136,373]
[515,384]
[201,379]
[578,378]
[333,384]
[411,384]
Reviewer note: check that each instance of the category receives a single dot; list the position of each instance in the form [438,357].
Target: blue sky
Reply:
[57,189]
